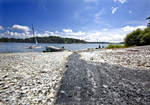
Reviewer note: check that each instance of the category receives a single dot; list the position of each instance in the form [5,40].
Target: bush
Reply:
[133,38]
[145,39]
[138,37]
[112,46]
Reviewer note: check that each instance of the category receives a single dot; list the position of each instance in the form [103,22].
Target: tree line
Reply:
[50,39]
[139,37]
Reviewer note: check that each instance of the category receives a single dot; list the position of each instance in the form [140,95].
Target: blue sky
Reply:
[90,20]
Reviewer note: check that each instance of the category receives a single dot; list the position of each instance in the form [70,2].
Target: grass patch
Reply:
[112,46]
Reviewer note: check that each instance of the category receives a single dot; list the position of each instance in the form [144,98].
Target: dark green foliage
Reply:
[145,39]
[133,38]
[148,17]
[50,39]
[138,37]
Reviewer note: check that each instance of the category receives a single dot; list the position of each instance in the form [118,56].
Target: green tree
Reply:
[145,39]
[133,38]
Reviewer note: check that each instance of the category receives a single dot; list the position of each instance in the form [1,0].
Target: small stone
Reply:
[67,66]
[105,86]
[91,58]
[78,88]
[63,92]
[1,103]
[138,99]
[43,72]
[5,76]
[51,95]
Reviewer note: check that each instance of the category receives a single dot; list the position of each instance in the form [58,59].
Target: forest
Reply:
[50,39]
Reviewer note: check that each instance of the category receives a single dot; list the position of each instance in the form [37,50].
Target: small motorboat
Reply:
[53,49]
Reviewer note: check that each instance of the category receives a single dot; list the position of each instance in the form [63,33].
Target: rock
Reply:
[66,65]
[91,58]
[1,103]
[63,92]
[105,86]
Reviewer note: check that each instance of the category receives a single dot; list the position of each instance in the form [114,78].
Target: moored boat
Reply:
[36,42]
[53,49]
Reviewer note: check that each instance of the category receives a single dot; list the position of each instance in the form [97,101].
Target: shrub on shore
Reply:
[138,37]
[133,38]
[112,46]
[145,38]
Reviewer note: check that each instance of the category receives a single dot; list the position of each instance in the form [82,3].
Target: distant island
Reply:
[50,39]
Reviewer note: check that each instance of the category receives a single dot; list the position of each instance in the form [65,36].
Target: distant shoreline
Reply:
[68,43]
[51,39]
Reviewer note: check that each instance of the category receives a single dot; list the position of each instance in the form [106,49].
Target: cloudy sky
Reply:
[90,20]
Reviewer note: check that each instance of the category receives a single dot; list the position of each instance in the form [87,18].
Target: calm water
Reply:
[22,47]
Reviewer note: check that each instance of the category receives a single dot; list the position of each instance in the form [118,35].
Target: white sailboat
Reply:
[36,42]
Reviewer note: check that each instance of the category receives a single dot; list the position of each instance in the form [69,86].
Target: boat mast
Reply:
[34,35]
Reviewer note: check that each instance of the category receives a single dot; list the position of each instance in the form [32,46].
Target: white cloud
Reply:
[23,34]
[105,29]
[1,28]
[20,27]
[120,1]
[79,33]
[45,34]
[97,18]
[14,33]
[114,9]
[112,35]
[131,28]
[99,13]
[10,33]
[103,35]
[130,12]
[67,30]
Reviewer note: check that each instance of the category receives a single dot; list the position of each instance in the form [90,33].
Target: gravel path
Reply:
[103,83]
[30,78]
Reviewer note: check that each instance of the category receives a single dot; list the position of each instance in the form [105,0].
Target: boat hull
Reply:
[53,49]
[34,47]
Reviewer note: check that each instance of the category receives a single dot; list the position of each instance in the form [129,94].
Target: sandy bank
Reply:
[30,78]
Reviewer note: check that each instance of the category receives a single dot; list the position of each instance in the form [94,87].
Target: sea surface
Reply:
[23,47]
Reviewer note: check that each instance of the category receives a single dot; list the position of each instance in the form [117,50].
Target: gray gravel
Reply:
[30,78]
[134,58]
[103,83]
